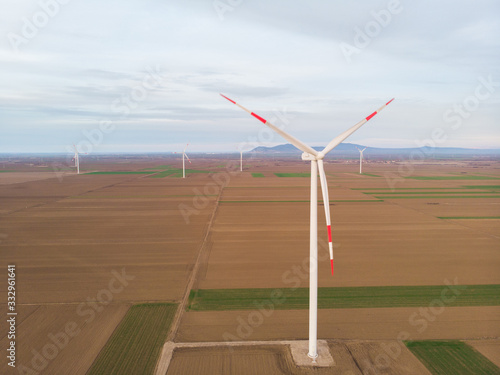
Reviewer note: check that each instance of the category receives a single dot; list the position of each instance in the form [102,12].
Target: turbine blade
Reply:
[326,203]
[185,148]
[340,138]
[294,141]
[187,158]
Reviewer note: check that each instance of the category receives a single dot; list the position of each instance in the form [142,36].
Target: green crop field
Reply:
[166,174]
[344,297]
[136,344]
[482,187]
[452,357]
[371,175]
[257,175]
[158,167]
[292,174]
[461,177]
[176,172]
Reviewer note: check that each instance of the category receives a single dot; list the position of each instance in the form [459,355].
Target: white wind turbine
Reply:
[184,156]
[316,159]
[76,158]
[361,160]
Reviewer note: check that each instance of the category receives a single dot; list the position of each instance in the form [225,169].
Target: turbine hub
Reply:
[320,156]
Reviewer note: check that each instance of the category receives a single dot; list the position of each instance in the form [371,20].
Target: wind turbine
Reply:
[77,160]
[316,159]
[184,155]
[361,160]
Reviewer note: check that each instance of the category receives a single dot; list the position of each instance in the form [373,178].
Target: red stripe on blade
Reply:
[331,263]
[224,96]
[258,117]
[389,101]
[329,228]
[373,114]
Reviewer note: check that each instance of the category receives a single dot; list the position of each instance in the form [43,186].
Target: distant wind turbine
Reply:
[316,159]
[361,160]
[184,156]
[76,158]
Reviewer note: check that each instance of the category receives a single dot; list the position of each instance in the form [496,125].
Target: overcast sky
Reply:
[135,76]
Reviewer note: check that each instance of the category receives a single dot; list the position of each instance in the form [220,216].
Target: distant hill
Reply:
[349,150]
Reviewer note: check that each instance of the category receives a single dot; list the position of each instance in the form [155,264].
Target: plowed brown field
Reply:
[70,236]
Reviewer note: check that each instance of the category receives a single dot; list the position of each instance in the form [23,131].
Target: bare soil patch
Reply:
[57,339]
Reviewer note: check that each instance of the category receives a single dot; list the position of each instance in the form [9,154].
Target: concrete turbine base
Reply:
[300,349]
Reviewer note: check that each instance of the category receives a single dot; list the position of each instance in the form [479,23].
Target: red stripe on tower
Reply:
[329,228]
[258,117]
[373,114]
[224,96]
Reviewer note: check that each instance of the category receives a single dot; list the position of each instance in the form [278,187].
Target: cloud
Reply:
[267,55]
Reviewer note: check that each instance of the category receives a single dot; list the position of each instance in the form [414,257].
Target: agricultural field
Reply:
[61,338]
[87,247]
[342,297]
[351,357]
[245,360]
[452,357]
[489,348]
[135,346]
[293,175]
[231,250]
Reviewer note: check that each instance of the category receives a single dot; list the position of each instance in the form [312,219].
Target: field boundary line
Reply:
[204,245]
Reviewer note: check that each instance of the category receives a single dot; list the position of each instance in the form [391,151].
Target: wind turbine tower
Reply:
[361,160]
[76,158]
[184,156]
[316,159]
